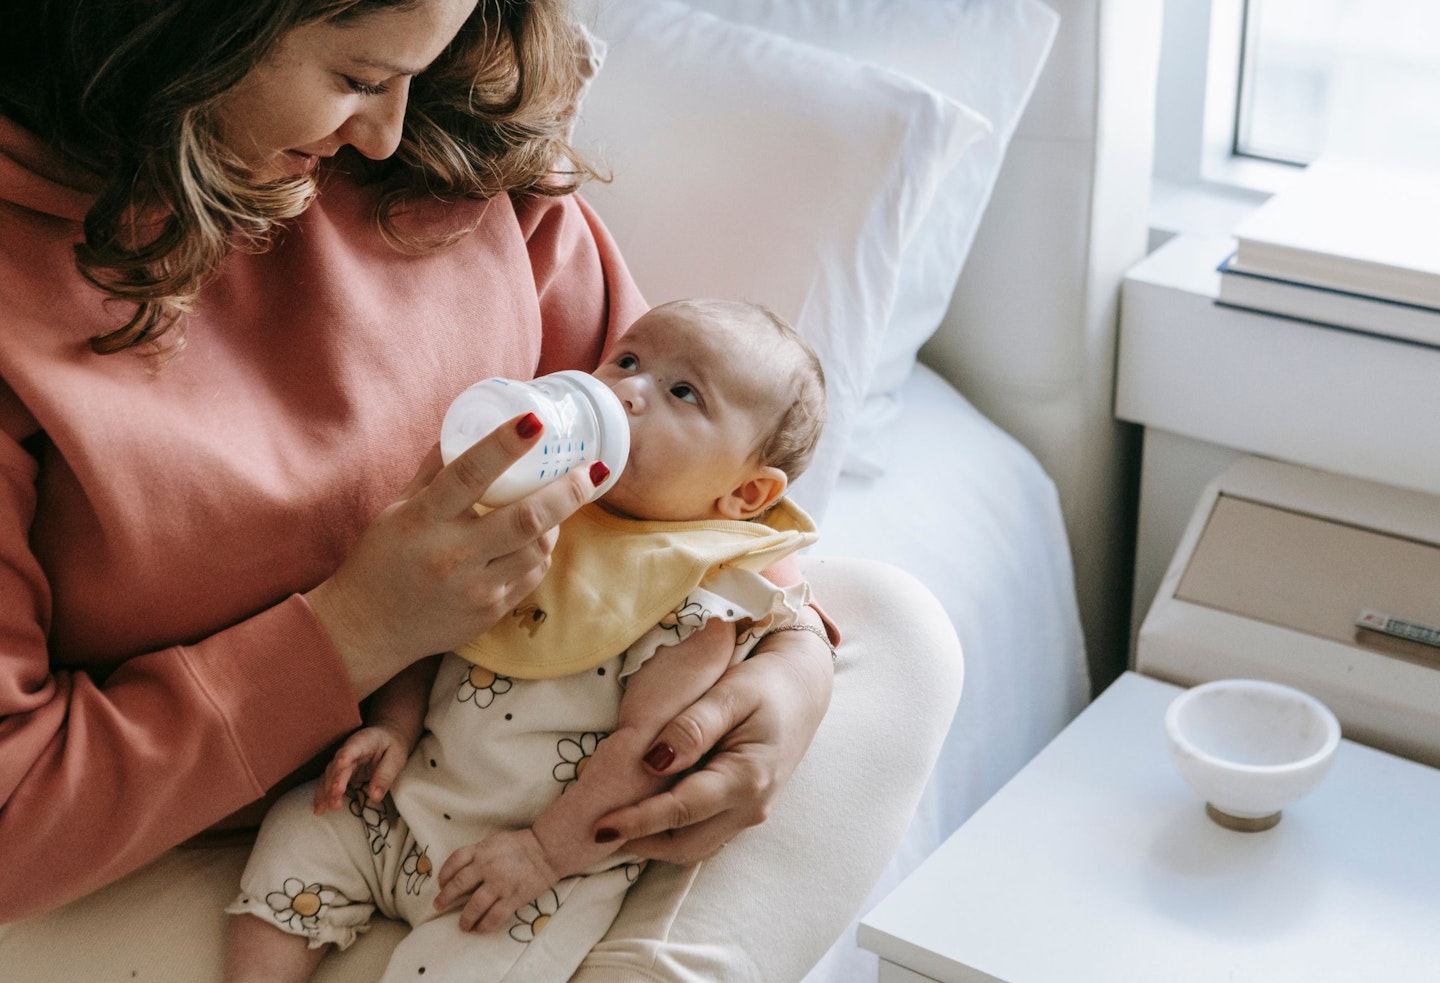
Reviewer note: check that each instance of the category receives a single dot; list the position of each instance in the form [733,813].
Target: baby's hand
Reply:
[373,755]
[500,873]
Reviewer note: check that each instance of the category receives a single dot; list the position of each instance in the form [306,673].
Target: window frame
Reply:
[1197,103]
[1199,185]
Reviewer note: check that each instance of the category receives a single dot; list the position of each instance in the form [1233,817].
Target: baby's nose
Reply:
[631,391]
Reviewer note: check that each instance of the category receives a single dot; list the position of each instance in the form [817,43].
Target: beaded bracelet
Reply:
[815,630]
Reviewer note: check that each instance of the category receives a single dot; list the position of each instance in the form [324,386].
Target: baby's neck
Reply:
[621,513]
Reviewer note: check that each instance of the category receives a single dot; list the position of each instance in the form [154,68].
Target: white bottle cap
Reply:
[584,422]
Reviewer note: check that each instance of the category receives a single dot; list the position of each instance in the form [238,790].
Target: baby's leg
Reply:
[311,882]
[259,952]
[546,940]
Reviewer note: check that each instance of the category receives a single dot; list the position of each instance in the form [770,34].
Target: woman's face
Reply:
[327,85]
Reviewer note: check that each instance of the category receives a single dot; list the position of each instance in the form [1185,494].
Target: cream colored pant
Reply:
[763,911]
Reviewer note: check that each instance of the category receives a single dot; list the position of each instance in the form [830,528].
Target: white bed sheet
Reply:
[968,510]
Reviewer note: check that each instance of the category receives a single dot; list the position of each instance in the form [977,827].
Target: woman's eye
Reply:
[365,89]
[628,362]
[682,391]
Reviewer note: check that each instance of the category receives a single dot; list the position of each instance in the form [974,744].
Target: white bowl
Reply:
[1250,748]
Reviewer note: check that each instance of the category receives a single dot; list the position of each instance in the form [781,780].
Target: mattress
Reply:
[968,510]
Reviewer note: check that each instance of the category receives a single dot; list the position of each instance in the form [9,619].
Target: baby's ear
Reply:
[758,492]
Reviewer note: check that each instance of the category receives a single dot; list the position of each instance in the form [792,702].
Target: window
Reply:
[1249,89]
[1358,78]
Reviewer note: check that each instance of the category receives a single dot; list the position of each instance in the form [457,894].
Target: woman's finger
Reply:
[529,559]
[694,799]
[455,488]
[526,521]
[430,466]
[687,846]
[693,732]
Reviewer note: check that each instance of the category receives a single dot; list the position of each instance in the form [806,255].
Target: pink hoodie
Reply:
[158,669]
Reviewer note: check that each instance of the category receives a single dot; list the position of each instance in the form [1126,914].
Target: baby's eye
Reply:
[628,362]
[683,391]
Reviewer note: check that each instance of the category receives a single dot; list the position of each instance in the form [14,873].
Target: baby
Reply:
[534,731]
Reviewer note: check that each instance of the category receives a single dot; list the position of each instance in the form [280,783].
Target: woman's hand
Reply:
[755,723]
[429,574]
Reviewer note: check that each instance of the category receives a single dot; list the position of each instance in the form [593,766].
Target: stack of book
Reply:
[1347,246]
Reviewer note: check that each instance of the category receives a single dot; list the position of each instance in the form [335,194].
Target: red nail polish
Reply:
[598,473]
[660,756]
[528,426]
[607,835]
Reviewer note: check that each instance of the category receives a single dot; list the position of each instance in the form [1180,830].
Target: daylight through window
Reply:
[1353,78]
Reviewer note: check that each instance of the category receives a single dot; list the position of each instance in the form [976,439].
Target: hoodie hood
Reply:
[33,177]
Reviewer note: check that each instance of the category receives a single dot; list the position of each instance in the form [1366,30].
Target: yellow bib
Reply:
[613,579]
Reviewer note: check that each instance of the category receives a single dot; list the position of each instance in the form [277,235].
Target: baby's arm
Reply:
[376,752]
[511,869]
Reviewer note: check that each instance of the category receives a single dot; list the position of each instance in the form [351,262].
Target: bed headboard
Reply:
[1030,335]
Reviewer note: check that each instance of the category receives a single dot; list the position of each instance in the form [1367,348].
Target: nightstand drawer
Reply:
[1313,574]
[1278,566]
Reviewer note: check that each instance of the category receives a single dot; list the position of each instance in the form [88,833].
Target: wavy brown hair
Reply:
[127,91]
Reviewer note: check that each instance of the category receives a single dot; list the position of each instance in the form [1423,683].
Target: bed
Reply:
[947,220]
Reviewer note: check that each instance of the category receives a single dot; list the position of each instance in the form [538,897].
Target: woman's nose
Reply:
[376,130]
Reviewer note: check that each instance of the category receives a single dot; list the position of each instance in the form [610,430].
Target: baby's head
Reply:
[726,403]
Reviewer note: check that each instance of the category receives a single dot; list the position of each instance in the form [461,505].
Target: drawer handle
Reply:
[1398,627]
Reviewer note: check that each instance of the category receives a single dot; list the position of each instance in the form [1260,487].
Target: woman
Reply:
[248,252]
[209,550]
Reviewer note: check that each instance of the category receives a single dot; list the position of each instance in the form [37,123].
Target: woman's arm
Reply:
[98,777]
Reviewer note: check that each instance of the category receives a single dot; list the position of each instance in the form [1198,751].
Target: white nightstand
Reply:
[1210,384]
[1097,864]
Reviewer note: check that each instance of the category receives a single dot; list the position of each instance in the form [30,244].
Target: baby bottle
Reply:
[584,422]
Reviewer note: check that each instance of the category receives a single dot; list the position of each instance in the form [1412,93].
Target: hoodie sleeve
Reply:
[99,777]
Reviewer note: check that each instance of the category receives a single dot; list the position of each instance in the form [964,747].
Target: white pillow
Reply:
[746,165]
[985,55]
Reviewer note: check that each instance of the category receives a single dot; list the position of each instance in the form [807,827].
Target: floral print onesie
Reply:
[496,750]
